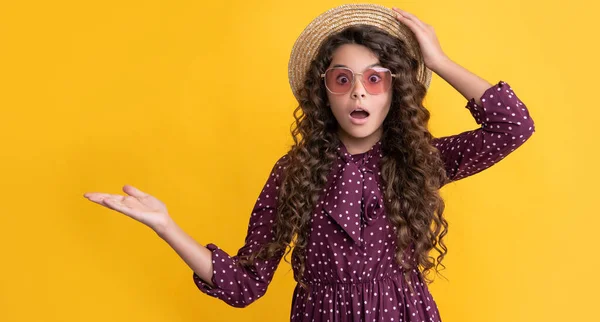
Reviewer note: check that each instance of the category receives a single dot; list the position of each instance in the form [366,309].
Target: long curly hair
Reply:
[411,169]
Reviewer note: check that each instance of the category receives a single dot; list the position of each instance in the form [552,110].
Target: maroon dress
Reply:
[350,263]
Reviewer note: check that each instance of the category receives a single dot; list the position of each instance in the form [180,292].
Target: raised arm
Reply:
[505,121]
[505,125]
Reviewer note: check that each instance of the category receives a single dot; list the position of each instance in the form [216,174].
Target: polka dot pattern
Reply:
[353,198]
[505,125]
[350,262]
[234,284]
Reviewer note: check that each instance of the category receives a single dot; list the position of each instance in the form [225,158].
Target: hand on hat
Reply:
[428,42]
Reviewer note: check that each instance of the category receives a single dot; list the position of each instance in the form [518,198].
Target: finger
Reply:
[133,191]
[116,204]
[411,17]
[98,196]
[410,24]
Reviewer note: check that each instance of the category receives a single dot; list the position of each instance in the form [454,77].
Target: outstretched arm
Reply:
[153,213]
[215,272]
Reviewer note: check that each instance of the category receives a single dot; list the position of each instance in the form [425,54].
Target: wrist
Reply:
[164,227]
[439,64]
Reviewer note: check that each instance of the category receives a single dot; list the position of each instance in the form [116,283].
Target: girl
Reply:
[356,197]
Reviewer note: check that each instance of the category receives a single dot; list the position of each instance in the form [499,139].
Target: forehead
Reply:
[355,57]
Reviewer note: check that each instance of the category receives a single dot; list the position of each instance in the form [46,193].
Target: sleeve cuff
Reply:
[478,111]
[216,279]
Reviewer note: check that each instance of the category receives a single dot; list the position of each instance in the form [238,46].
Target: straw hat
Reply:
[334,20]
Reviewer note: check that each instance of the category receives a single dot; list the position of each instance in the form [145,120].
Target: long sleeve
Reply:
[505,125]
[236,285]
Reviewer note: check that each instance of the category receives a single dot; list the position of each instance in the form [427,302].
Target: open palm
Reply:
[136,204]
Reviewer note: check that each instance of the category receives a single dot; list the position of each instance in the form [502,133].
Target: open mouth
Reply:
[359,114]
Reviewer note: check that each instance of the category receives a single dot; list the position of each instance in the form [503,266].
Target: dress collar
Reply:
[368,159]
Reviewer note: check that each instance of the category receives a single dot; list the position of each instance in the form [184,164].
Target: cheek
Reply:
[333,100]
[385,106]
[385,112]
[337,111]
[336,104]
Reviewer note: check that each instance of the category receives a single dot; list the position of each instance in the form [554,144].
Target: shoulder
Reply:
[283,160]
[280,166]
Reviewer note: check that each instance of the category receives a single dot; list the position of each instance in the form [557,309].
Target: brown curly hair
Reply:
[411,169]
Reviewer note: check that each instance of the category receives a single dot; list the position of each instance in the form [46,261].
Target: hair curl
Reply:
[411,169]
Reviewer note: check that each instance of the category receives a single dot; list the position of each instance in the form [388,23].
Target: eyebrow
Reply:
[372,65]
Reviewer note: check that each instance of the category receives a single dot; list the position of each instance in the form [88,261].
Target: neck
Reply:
[356,145]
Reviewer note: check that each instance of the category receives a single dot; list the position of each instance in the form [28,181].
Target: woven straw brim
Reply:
[336,19]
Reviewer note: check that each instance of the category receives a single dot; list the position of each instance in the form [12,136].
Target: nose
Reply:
[358,90]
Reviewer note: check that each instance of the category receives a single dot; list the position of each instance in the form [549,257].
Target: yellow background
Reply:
[190,101]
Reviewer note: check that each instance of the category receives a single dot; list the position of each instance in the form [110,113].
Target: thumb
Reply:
[133,191]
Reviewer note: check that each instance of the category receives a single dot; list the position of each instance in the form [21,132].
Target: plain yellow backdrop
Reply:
[190,101]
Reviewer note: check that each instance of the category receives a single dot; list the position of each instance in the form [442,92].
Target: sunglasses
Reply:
[340,80]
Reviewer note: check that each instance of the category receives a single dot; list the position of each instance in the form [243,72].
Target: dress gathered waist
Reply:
[391,276]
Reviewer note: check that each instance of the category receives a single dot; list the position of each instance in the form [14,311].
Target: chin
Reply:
[359,133]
